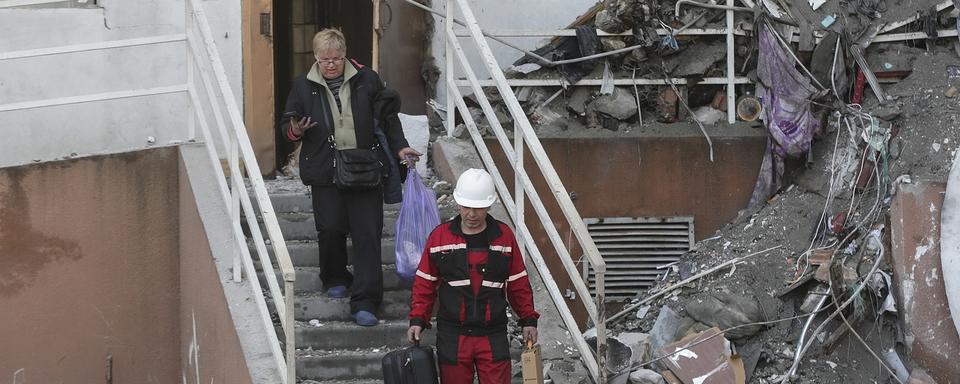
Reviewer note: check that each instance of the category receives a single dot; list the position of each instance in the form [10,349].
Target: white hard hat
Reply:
[475,189]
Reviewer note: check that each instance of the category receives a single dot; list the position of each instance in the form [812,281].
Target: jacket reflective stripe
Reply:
[517,276]
[459,283]
[491,284]
[500,248]
[448,247]
[426,275]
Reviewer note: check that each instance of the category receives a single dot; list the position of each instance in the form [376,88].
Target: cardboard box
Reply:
[532,365]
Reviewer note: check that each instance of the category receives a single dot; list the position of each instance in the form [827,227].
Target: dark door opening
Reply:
[296,21]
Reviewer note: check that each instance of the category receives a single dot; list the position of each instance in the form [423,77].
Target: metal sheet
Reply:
[950,242]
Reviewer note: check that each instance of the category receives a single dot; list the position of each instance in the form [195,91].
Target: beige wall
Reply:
[103,266]
[88,269]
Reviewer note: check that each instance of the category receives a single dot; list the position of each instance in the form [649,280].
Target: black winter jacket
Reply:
[308,99]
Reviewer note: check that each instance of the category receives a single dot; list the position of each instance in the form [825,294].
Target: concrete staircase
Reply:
[338,350]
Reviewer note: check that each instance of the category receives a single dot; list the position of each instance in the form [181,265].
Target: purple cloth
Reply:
[785,95]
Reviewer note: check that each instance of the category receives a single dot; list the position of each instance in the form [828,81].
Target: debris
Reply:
[704,358]
[828,21]
[526,68]
[727,311]
[642,312]
[893,360]
[951,92]
[707,115]
[619,355]
[639,343]
[646,376]
[619,105]
[664,329]
[919,376]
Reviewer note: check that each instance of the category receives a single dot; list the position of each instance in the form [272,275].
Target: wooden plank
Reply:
[950,241]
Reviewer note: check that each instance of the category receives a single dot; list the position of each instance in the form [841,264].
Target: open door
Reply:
[258,80]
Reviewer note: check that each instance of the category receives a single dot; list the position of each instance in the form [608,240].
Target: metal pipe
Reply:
[806,327]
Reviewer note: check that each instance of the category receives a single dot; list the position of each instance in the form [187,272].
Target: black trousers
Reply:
[359,213]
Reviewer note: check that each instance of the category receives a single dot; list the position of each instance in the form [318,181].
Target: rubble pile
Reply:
[856,106]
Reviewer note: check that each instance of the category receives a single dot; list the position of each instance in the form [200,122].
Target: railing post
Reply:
[731,87]
[289,333]
[233,161]
[448,58]
[518,179]
[601,326]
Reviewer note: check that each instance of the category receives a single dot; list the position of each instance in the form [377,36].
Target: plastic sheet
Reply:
[418,217]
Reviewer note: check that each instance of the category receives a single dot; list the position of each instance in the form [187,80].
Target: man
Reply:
[475,265]
[332,108]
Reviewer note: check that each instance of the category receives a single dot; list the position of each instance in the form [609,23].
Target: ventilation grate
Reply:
[634,247]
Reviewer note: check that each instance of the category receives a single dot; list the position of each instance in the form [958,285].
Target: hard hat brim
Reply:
[472,203]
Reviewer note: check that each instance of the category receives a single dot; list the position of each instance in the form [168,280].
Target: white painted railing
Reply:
[230,142]
[203,58]
[526,138]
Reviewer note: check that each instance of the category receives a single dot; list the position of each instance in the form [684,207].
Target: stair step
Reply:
[395,305]
[347,335]
[300,202]
[341,365]
[306,254]
[308,280]
[301,226]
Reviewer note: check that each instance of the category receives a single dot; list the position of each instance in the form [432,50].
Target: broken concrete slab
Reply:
[620,105]
[578,100]
[686,65]
[416,128]
[646,376]
[950,240]
[704,358]
[932,342]
[726,310]
[664,329]
[639,343]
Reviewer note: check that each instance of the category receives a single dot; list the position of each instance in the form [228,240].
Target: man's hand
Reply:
[529,334]
[413,333]
[409,156]
[299,127]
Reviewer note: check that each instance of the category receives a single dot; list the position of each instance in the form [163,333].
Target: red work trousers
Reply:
[475,355]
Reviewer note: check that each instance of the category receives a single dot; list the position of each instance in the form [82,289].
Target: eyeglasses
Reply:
[328,62]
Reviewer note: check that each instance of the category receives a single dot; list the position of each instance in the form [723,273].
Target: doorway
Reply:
[295,23]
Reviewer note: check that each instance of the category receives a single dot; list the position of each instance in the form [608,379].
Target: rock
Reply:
[612,43]
[724,310]
[664,329]
[951,92]
[607,22]
[696,65]
[919,376]
[709,116]
[622,378]
[578,100]
[619,355]
[646,376]
[639,343]
[620,105]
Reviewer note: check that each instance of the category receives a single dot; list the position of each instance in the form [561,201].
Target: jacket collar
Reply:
[490,233]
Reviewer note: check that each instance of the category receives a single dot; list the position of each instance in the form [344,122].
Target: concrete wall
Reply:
[109,126]
[105,260]
[89,269]
[644,176]
[504,14]
[209,346]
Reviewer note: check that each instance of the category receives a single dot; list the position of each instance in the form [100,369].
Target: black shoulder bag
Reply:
[358,168]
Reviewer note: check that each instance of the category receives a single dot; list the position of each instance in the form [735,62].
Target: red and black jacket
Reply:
[473,285]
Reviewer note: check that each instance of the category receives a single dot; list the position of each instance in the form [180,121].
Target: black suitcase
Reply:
[411,365]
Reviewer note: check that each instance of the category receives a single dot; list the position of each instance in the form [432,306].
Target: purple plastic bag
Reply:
[418,217]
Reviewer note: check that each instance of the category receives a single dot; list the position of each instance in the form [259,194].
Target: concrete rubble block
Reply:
[919,376]
[639,343]
[612,43]
[667,101]
[619,355]
[930,336]
[726,310]
[705,358]
[683,65]
[416,128]
[620,105]
[664,329]
[646,376]
[577,102]
[606,21]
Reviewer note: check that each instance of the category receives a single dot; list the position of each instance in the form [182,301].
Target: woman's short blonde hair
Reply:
[329,38]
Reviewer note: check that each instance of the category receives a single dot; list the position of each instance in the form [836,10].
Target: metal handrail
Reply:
[525,135]
[239,149]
